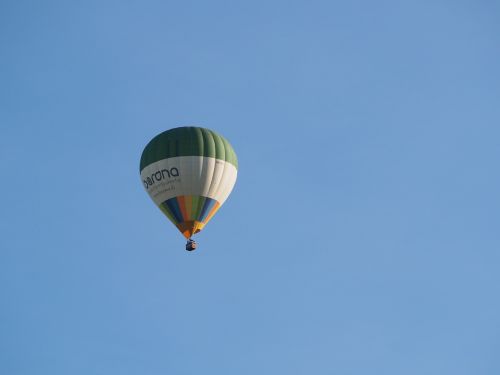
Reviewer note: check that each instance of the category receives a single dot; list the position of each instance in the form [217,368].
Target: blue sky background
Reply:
[362,236]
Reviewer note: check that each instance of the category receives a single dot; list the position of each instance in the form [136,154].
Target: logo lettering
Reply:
[159,176]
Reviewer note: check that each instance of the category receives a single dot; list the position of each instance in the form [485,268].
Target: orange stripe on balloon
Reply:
[188,200]
[182,206]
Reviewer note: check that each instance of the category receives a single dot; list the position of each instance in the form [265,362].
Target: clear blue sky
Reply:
[362,236]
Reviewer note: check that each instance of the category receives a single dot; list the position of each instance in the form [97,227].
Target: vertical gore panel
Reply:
[181,201]
[220,152]
[208,143]
[188,201]
[230,154]
[201,203]
[212,212]
[209,203]
[168,213]
[198,141]
[194,206]
[173,205]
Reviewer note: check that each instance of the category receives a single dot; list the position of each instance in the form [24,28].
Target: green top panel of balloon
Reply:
[188,141]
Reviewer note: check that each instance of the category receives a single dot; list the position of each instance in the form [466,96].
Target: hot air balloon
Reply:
[189,173]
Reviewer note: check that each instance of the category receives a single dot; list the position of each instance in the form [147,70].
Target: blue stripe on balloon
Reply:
[165,207]
[173,205]
[207,207]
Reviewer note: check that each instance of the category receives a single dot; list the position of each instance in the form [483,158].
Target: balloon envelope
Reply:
[189,173]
